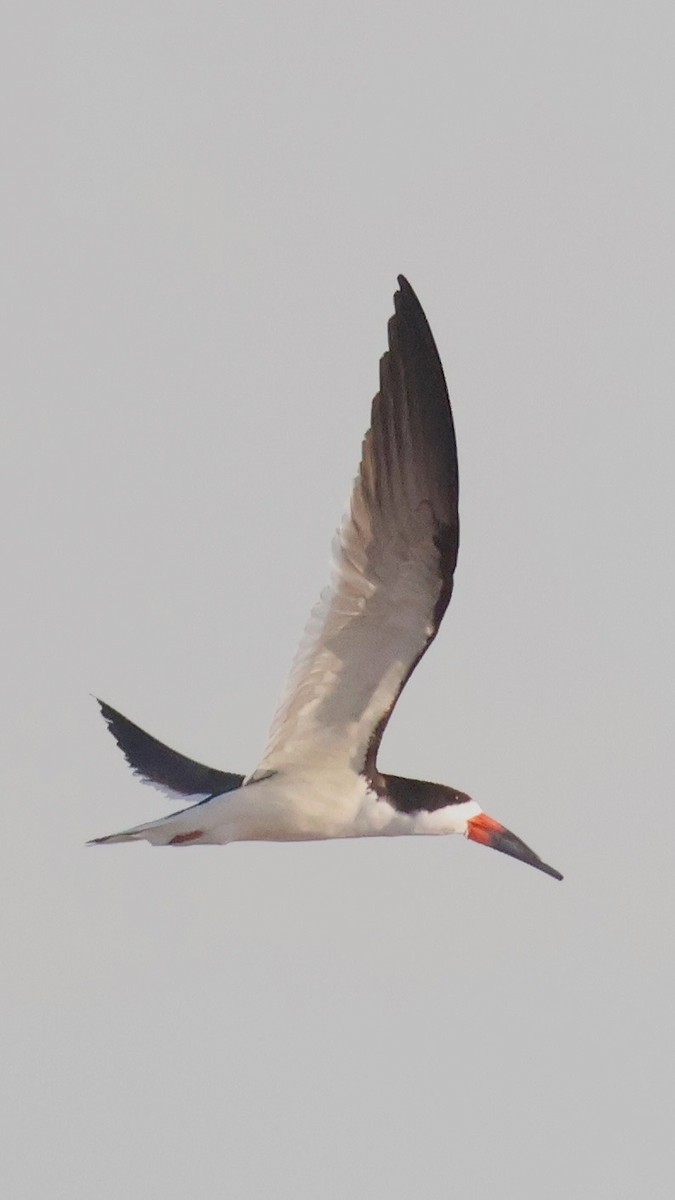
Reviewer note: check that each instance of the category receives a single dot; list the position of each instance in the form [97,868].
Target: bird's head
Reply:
[488,832]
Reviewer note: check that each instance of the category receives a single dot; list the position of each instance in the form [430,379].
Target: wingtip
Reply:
[115,720]
[407,301]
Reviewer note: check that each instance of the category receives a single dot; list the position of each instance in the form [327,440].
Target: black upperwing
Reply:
[163,767]
[413,434]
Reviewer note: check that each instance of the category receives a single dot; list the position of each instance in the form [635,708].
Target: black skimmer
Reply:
[395,557]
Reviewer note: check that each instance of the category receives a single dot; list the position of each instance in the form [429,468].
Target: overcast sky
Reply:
[205,207]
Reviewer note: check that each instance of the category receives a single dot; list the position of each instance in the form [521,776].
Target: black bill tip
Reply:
[507,843]
[488,832]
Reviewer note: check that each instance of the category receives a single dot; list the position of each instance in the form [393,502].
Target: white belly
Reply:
[304,805]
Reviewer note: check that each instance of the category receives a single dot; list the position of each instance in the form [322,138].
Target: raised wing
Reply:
[395,557]
[162,767]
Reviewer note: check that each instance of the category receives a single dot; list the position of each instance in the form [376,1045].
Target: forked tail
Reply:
[179,829]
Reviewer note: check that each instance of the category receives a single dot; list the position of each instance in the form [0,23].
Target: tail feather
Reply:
[178,829]
[129,835]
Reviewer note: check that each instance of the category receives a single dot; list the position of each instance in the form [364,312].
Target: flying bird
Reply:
[394,562]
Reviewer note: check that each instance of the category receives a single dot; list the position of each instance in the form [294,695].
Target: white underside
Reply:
[298,805]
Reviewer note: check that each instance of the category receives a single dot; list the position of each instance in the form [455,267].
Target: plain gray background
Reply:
[205,209]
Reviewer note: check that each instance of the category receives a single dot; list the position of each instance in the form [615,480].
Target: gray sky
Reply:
[205,209]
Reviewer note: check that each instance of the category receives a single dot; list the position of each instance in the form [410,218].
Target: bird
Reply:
[394,560]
